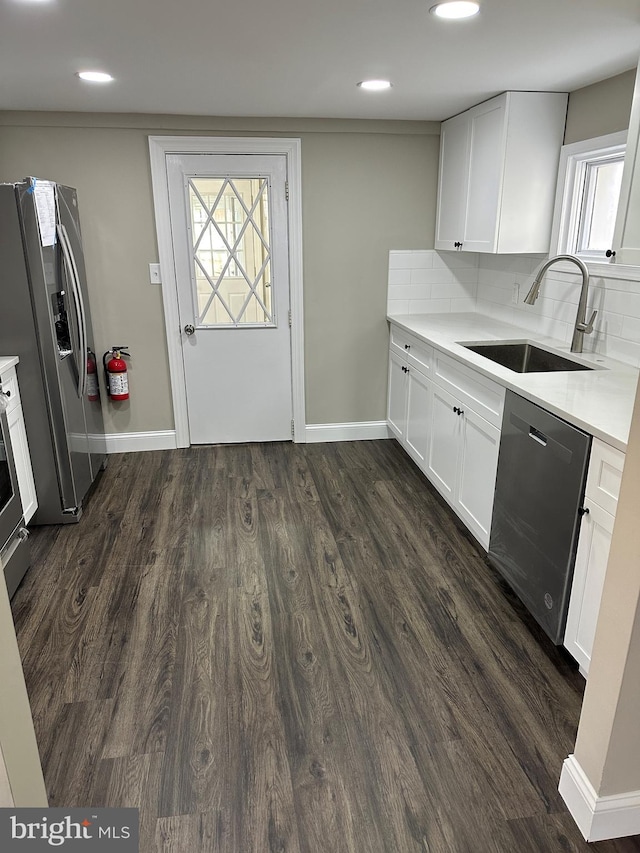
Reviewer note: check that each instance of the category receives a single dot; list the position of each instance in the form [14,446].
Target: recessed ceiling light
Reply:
[455,9]
[374,85]
[95,76]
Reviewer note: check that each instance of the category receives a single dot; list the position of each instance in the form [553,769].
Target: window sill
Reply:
[622,271]
[603,270]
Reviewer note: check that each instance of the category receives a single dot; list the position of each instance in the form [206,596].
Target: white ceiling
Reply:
[303,57]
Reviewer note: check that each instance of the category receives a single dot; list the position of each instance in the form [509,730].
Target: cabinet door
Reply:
[397,395]
[626,237]
[479,445]
[418,408]
[452,181]
[24,472]
[486,163]
[442,467]
[588,579]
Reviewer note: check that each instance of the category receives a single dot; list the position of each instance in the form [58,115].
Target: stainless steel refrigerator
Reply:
[45,320]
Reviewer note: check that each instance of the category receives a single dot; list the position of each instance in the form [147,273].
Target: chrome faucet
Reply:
[581,327]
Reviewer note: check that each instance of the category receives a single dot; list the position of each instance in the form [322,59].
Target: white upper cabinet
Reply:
[626,239]
[498,173]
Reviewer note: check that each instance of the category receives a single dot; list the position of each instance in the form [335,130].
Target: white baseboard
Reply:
[347,431]
[598,818]
[128,442]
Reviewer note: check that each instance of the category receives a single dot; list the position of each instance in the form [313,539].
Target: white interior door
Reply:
[230,247]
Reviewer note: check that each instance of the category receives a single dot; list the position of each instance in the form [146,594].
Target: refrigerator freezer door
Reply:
[70,222]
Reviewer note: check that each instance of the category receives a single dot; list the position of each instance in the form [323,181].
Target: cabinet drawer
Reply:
[484,396]
[605,475]
[420,356]
[9,383]
[417,353]
[398,339]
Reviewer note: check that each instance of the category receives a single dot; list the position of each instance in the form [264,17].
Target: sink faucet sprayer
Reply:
[581,327]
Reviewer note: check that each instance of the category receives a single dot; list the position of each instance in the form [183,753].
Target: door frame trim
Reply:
[159,148]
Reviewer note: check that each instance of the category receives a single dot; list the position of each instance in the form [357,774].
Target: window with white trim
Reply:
[589,180]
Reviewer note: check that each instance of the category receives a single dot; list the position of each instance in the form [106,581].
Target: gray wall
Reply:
[367,187]
[601,108]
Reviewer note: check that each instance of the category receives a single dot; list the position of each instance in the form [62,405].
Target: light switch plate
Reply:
[154,274]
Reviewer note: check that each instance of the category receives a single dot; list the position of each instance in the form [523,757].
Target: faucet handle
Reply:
[587,328]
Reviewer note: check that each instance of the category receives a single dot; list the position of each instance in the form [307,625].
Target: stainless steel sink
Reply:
[523,357]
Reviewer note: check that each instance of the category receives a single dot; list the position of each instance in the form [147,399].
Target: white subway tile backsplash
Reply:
[556,310]
[455,260]
[555,328]
[399,276]
[612,324]
[422,259]
[499,278]
[466,275]
[621,349]
[623,284]
[400,259]
[489,293]
[455,290]
[426,281]
[430,306]
[466,304]
[512,264]
[562,290]
[622,303]
[413,276]
[409,291]
[630,328]
[431,276]
[397,306]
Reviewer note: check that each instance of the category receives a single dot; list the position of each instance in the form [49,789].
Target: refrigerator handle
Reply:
[72,271]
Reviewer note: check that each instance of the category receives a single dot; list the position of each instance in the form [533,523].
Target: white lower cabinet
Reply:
[444,433]
[397,395]
[588,579]
[22,460]
[19,445]
[479,446]
[409,402]
[444,428]
[462,461]
[596,529]
[418,408]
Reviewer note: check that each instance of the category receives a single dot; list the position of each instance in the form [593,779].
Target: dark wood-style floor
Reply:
[293,648]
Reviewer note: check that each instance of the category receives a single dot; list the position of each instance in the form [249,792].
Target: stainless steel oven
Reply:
[14,548]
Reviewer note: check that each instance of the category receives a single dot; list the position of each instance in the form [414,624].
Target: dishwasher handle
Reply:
[538,436]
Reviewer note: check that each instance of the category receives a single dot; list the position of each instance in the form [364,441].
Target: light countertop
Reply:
[598,401]
[7,361]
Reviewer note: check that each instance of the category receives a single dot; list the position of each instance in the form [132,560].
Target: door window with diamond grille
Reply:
[230,251]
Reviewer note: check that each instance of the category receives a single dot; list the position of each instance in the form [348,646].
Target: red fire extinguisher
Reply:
[93,389]
[115,371]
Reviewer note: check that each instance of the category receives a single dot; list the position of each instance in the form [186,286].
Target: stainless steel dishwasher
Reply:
[542,467]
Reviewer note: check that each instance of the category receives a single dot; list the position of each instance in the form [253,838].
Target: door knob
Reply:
[189,329]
